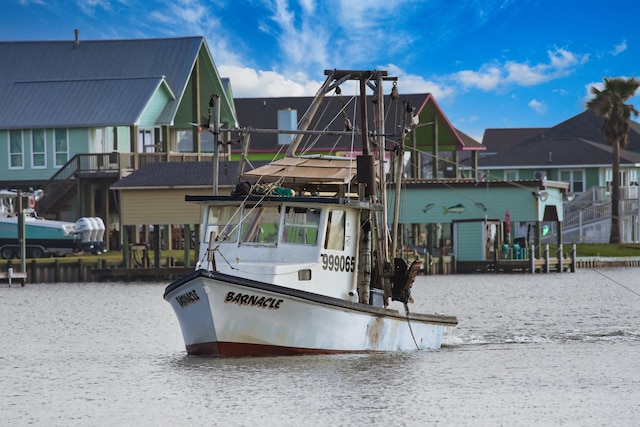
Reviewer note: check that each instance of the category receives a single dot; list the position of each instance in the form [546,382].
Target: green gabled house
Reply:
[78,115]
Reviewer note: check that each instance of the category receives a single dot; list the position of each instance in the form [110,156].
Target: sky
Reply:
[488,63]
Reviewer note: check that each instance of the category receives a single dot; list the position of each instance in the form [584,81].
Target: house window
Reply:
[575,178]
[334,239]
[38,149]
[511,175]
[61,147]
[186,145]
[145,141]
[16,150]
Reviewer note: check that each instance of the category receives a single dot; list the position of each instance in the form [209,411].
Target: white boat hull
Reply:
[230,316]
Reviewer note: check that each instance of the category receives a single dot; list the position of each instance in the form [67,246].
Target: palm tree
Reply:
[610,103]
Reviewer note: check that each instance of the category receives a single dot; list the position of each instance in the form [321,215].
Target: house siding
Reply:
[78,142]
[149,117]
[519,201]
[161,206]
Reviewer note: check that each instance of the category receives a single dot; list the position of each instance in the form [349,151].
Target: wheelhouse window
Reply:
[38,149]
[260,225]
[301,225]
[16,150]
[334,238]
[61,147]
[222,224]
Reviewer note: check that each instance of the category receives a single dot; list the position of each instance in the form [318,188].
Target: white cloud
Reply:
[537,106]
[249,83]
[488,78]
[588,95]
[496,76]
[89,6]
[302,38]
[619,48]
[411,83]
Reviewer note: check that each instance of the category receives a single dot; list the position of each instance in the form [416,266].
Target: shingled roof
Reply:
[558,152]
[585,126]
[262,113]
[503,139]
[179,175]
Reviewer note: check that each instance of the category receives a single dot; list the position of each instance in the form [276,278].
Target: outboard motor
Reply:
[99,239]
[85,227]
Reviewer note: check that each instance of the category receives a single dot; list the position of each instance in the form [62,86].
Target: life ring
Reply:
[32,202]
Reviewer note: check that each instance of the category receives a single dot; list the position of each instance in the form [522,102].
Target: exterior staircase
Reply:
[587,219]
[82,169]
[63,185]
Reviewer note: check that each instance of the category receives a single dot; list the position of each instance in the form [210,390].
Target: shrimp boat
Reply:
[299,262]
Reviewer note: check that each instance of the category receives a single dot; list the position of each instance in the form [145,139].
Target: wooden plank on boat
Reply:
[309,170]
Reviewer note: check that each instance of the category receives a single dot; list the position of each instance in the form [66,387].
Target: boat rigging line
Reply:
[406,312]
[616,282]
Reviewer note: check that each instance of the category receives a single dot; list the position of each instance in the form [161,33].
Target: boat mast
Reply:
[305,121]
[398,154]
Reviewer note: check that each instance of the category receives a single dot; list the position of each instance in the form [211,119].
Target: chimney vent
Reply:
[77,33]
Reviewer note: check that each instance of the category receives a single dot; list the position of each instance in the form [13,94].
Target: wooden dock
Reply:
[146,273]
[10,276]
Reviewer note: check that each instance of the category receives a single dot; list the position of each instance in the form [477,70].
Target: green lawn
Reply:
[604,250]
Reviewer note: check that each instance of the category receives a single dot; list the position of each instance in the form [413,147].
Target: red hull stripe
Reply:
[232,349]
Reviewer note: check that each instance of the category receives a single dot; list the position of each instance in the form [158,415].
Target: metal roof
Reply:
[72,103]
[64,83]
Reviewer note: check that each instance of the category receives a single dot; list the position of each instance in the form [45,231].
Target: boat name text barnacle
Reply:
[187,298]
[253,300]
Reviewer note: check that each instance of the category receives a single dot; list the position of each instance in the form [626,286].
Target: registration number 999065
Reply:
[338,262]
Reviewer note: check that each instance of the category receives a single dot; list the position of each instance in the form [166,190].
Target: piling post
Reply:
[56,271]
[560,258]
[547,262]
[532,258]
[34,271]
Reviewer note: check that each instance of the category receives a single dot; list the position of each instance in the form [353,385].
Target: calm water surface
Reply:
[545,349]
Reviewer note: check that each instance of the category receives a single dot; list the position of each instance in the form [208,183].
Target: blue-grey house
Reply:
[78,115]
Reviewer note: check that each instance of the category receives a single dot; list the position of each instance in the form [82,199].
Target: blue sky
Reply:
[489,64]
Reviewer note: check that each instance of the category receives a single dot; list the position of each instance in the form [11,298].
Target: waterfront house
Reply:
[575,152]
[78,115]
